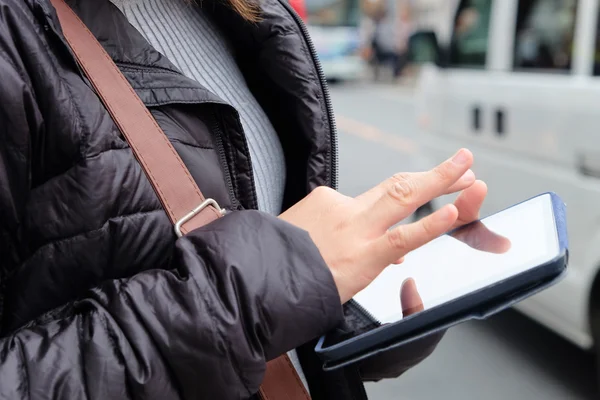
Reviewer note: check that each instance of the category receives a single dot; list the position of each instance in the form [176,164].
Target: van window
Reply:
[545,33]
[471,33]
[333,12]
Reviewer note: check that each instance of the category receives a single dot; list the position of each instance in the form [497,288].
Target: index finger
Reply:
[437,181]
[398,242]
[403,195]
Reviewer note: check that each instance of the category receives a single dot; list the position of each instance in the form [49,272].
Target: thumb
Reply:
[410,299]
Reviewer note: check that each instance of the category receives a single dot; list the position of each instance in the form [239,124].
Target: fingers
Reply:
[465,181]
[477,235]
[410,299]
[469,203]
[399,261]
[371,196]
[396,243]
[403,194]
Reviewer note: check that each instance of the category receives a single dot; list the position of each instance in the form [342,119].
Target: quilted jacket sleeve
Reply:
[201,330]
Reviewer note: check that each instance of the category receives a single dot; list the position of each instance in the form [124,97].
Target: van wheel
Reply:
[596,336]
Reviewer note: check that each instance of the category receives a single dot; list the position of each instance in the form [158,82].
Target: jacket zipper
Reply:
[223,158]
[326,95]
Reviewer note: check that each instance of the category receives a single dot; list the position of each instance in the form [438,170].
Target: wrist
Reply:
[341,283]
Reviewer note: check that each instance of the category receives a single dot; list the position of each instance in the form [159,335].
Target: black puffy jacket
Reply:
[99,299]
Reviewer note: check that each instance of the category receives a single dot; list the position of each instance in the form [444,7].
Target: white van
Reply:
[518,83]
[334,26]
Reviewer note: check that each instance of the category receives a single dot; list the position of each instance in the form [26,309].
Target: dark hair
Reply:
[246,8]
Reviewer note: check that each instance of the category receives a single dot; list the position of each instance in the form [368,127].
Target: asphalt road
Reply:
[506,357]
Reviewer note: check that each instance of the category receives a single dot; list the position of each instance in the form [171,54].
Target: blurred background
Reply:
[518,83]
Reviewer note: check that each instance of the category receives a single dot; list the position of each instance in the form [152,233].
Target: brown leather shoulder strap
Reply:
[180,196]
[282,382]
[171,180]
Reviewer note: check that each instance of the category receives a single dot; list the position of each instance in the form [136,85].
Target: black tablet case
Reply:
[359,326]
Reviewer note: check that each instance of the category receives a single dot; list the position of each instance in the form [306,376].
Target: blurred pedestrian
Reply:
[404,30]
[386,30]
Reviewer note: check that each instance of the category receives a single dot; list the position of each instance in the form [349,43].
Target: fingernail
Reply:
[447,213]
[469,176]
[461,157]
[408,281]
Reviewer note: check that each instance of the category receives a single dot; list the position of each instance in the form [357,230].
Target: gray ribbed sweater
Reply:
[184,34]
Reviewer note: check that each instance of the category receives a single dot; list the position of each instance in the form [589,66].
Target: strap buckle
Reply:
[196,211]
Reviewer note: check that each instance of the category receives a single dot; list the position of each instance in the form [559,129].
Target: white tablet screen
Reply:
[500,246]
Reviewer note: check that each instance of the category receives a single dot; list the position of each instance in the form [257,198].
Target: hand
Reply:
[394,363]
[354,235]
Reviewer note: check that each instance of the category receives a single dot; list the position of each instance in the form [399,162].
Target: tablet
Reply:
[470,273]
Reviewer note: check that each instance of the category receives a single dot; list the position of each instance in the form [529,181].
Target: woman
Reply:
[99,299]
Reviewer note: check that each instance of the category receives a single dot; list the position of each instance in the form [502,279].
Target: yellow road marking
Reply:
[373,134]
